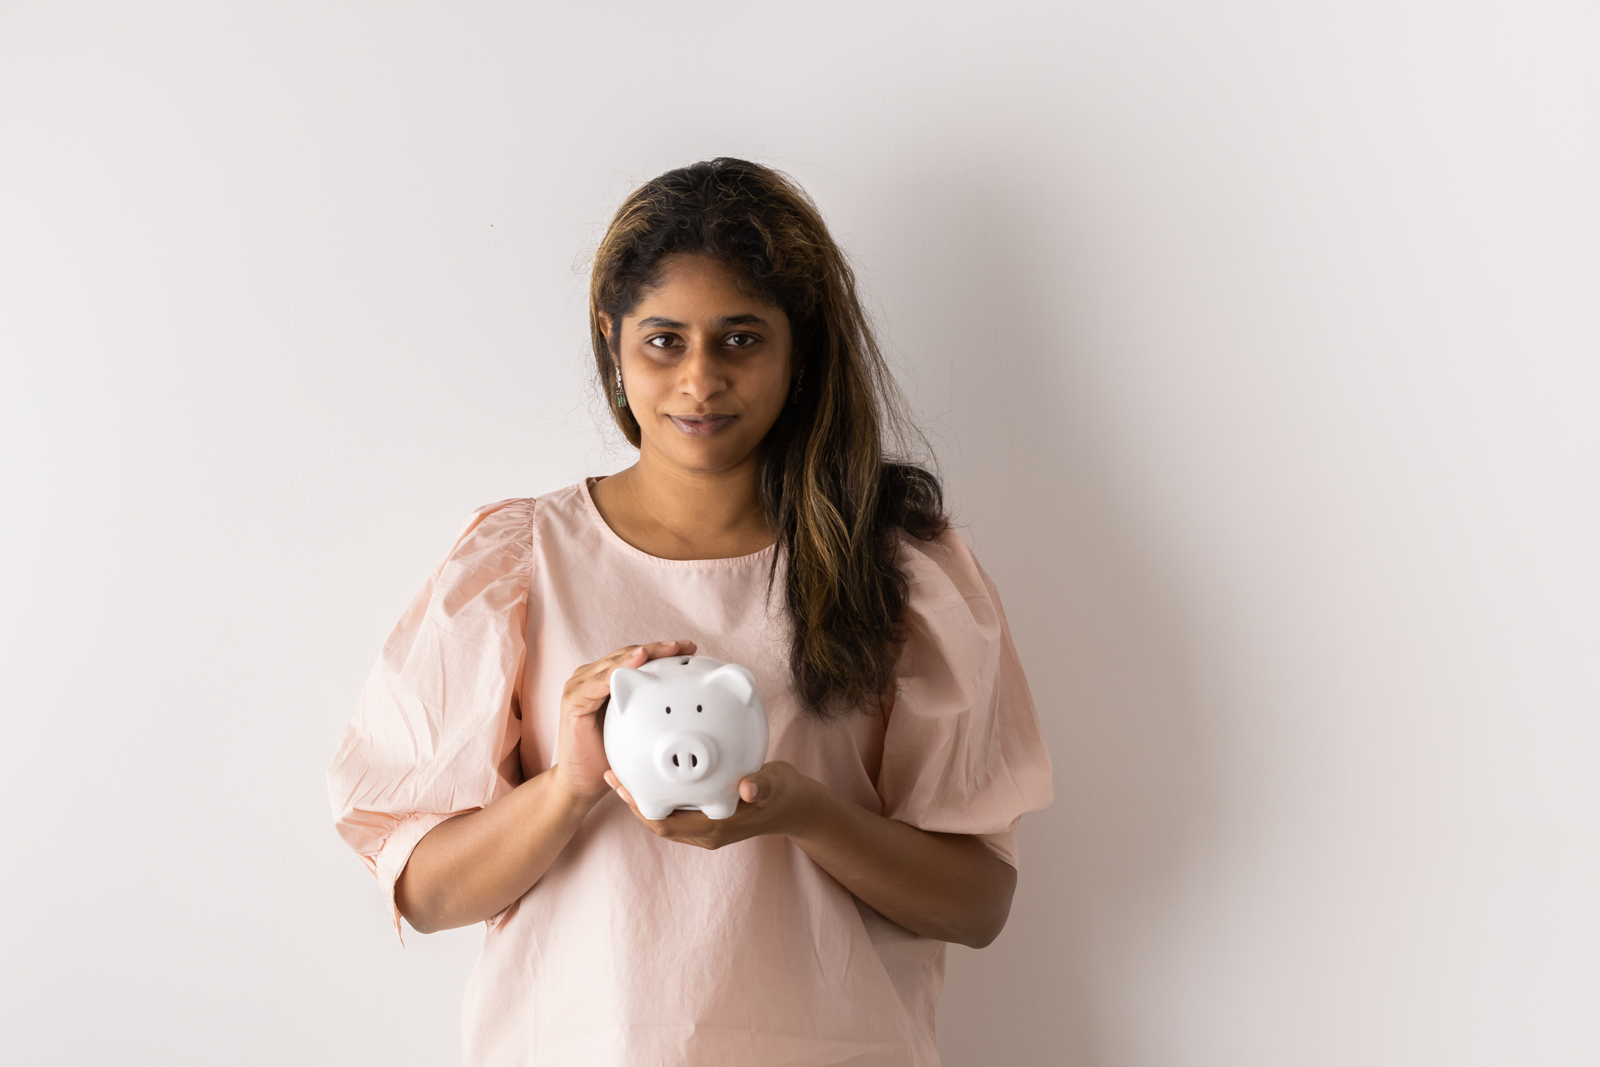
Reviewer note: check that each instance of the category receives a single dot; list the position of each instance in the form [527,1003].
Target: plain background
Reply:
[1258,344]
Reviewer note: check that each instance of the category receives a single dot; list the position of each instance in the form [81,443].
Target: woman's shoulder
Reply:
[941,564]
[517,516]
[524,525]
[496,545]
[510,519]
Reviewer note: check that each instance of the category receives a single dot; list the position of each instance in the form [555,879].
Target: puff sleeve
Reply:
[435,731]
[963,749]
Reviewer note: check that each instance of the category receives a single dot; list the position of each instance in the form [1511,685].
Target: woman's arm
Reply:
[948,886]
[472,867]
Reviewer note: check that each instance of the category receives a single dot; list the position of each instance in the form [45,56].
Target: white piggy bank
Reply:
[681,731]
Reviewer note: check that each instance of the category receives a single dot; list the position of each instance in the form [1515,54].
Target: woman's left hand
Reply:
[773,800]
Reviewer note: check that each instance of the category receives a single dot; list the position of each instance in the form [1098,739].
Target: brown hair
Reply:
[827,487]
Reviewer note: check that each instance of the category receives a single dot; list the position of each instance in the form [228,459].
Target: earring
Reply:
[799,380]
[622,398]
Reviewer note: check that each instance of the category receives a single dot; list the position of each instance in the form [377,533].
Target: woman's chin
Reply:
[705,455]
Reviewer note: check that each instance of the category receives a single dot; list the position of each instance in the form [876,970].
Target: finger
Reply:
[592,691]
[688,822]
[634,655]
[662,649]
[755,787]
[597,684]
[686,827]
[589,697]
[627,798]
[622,657]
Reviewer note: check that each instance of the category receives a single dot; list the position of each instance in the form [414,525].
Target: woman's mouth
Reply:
[701,425]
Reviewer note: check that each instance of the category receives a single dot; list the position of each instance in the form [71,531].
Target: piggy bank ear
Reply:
[625,681]
[732,678]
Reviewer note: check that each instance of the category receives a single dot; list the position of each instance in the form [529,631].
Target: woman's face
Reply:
[706,367]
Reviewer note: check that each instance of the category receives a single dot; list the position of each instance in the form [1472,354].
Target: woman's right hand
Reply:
[479,863]
[582,755]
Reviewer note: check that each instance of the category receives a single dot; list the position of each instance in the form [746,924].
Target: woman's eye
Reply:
[660,340]
[743,340]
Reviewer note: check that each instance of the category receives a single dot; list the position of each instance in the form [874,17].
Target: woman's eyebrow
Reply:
[661,322]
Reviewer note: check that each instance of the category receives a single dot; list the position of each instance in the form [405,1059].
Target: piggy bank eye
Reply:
[697,707]
[669,711]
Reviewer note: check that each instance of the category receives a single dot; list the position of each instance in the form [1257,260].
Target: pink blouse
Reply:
[632,950]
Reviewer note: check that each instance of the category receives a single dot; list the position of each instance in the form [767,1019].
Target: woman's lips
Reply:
[701,425]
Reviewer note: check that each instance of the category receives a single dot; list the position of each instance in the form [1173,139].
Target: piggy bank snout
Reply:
[686,756]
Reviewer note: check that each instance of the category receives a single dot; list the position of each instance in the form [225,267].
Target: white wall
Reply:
[1258,342]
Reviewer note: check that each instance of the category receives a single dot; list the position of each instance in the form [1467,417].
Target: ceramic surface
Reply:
[681,731]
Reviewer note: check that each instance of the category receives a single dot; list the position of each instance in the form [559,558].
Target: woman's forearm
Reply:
[948,886]
[472,867]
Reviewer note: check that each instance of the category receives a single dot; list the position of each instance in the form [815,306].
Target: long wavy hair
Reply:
[827,484]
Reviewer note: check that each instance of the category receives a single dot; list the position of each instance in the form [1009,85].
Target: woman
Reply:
[761,525]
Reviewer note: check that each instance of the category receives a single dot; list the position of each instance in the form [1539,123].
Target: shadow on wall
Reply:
[1104,641]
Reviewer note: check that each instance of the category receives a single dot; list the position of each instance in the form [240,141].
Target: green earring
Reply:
[622,398]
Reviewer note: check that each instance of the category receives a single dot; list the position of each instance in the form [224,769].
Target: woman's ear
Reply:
[605,328]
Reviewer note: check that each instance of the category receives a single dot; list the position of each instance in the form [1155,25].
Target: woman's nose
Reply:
[702,371]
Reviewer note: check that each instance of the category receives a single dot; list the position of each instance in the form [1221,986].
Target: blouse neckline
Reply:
[615,538]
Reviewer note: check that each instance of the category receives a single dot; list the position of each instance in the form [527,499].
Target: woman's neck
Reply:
[667,511]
